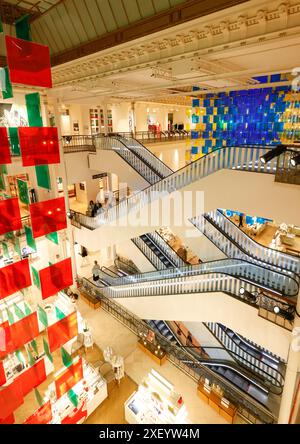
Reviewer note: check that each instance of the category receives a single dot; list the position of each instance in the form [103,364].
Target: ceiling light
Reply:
[275,152]
[295,160]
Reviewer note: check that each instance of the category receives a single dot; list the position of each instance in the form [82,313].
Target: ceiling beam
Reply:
[10,13]
[175,16]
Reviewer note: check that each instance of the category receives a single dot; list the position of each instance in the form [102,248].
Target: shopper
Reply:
[241,217]
[91,208]
[96,271]
[84,255]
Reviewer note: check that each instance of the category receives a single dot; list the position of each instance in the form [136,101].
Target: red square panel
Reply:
[4,146]
[9,420]
[77,416]
[48,216]
[68,378]
[16,335]
[62,331]
[10,399]
[32,377]
[14,277]
[28,63]
[39,145]
[56,277]
[42,416]
[10,219]
[2,374]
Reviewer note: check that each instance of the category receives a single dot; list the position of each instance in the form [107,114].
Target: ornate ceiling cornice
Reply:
[10,13]
[265,23]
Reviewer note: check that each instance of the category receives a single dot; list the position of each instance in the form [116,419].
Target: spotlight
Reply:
[295,160]
[275,152]
[242,290]
[252,297]
[276,309]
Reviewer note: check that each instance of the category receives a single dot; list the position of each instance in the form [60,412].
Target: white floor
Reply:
[107,331]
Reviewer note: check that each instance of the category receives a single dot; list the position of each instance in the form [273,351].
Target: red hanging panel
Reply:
[41,416]
[32,377]
[2,374]
[28,62]
[4,146]
[77,416]
[62,331]
[48,216]
[39,145]
[19,333]
[56,277]
[68,378]
[10,399]
[9,420]
[10,219]
[14,277]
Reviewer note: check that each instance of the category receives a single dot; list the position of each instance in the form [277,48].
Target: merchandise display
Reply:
[155,402]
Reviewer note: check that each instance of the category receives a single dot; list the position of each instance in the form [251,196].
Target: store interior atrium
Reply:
[149,212]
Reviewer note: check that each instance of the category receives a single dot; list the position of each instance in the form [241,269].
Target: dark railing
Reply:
[285,172]
[76,144]
[249,408]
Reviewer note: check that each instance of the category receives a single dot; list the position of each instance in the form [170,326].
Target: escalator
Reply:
[251,384]
[157,251]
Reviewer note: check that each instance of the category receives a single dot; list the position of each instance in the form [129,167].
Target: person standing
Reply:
[84,255]
[241,217]
[96,271]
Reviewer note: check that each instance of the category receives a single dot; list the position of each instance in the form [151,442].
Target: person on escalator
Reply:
[96,271]
[241,217]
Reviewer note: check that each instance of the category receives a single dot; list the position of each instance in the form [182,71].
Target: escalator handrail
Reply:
[125,264]
[148,235]
[272,250]
[184,262]
[107,271]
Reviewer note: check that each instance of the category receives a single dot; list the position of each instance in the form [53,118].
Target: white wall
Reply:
[213,307]
[130,250]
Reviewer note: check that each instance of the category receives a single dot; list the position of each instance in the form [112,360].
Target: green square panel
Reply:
[23,191]
[43,176]
[5,249]
[7,90]
[23,28]
[3,169]
[2,182]
[14,140]
[29,238]
[53,237]
[33,107]
[42,315]
[36,277]
[17,246]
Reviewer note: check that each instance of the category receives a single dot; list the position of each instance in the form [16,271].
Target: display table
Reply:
[155,402]
[155,352]
[92,301]
[221,405]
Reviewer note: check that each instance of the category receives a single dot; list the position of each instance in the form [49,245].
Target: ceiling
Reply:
[34,5]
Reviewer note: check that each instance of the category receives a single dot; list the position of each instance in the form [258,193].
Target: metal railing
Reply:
[266,371]
[236,158]
[250,246]
[247,407]
[167,250]
[74,144]
[233,250]
[285,172]
[152,137]
[150,254]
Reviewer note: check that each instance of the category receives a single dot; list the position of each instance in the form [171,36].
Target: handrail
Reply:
[165,249]
[244,402]
[183,262]
[126,264]
[237,158]
[233,250]
[148,253]
[251,247]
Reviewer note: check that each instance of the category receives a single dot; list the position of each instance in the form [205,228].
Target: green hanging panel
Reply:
[38,397]
[27,309]
[53,237]
[5,249]
[59,313]
[1,26]
[43,176]
[2,182]
[33,106]
[35,277]
[66,357]
[20,356]
[7,90]
[29,238]
[9,236]
[31,359]
[19,313]
[10,316]
[23,191]
[14,140]
[23,28]
[17,246]
[34,345]
[73,397]
[3,169]
[47,350]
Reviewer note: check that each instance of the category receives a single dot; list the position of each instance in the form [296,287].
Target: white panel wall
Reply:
[213,307]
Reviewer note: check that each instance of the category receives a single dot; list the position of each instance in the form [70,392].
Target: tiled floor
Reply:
[108,331]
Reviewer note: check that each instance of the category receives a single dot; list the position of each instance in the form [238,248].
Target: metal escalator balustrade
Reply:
[246,356]
[234,158]
[250,246]
[247,406]
[232,250]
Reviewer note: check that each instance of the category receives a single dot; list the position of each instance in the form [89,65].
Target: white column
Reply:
[63,175]
[293,364]
[105,118]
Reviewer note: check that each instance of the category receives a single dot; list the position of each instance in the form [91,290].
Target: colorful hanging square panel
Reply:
[62,331]
[56,277]
[68,378]
[48,216]
[10,219]
[4,146]
[28,63]
[14,277]
[39,145]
